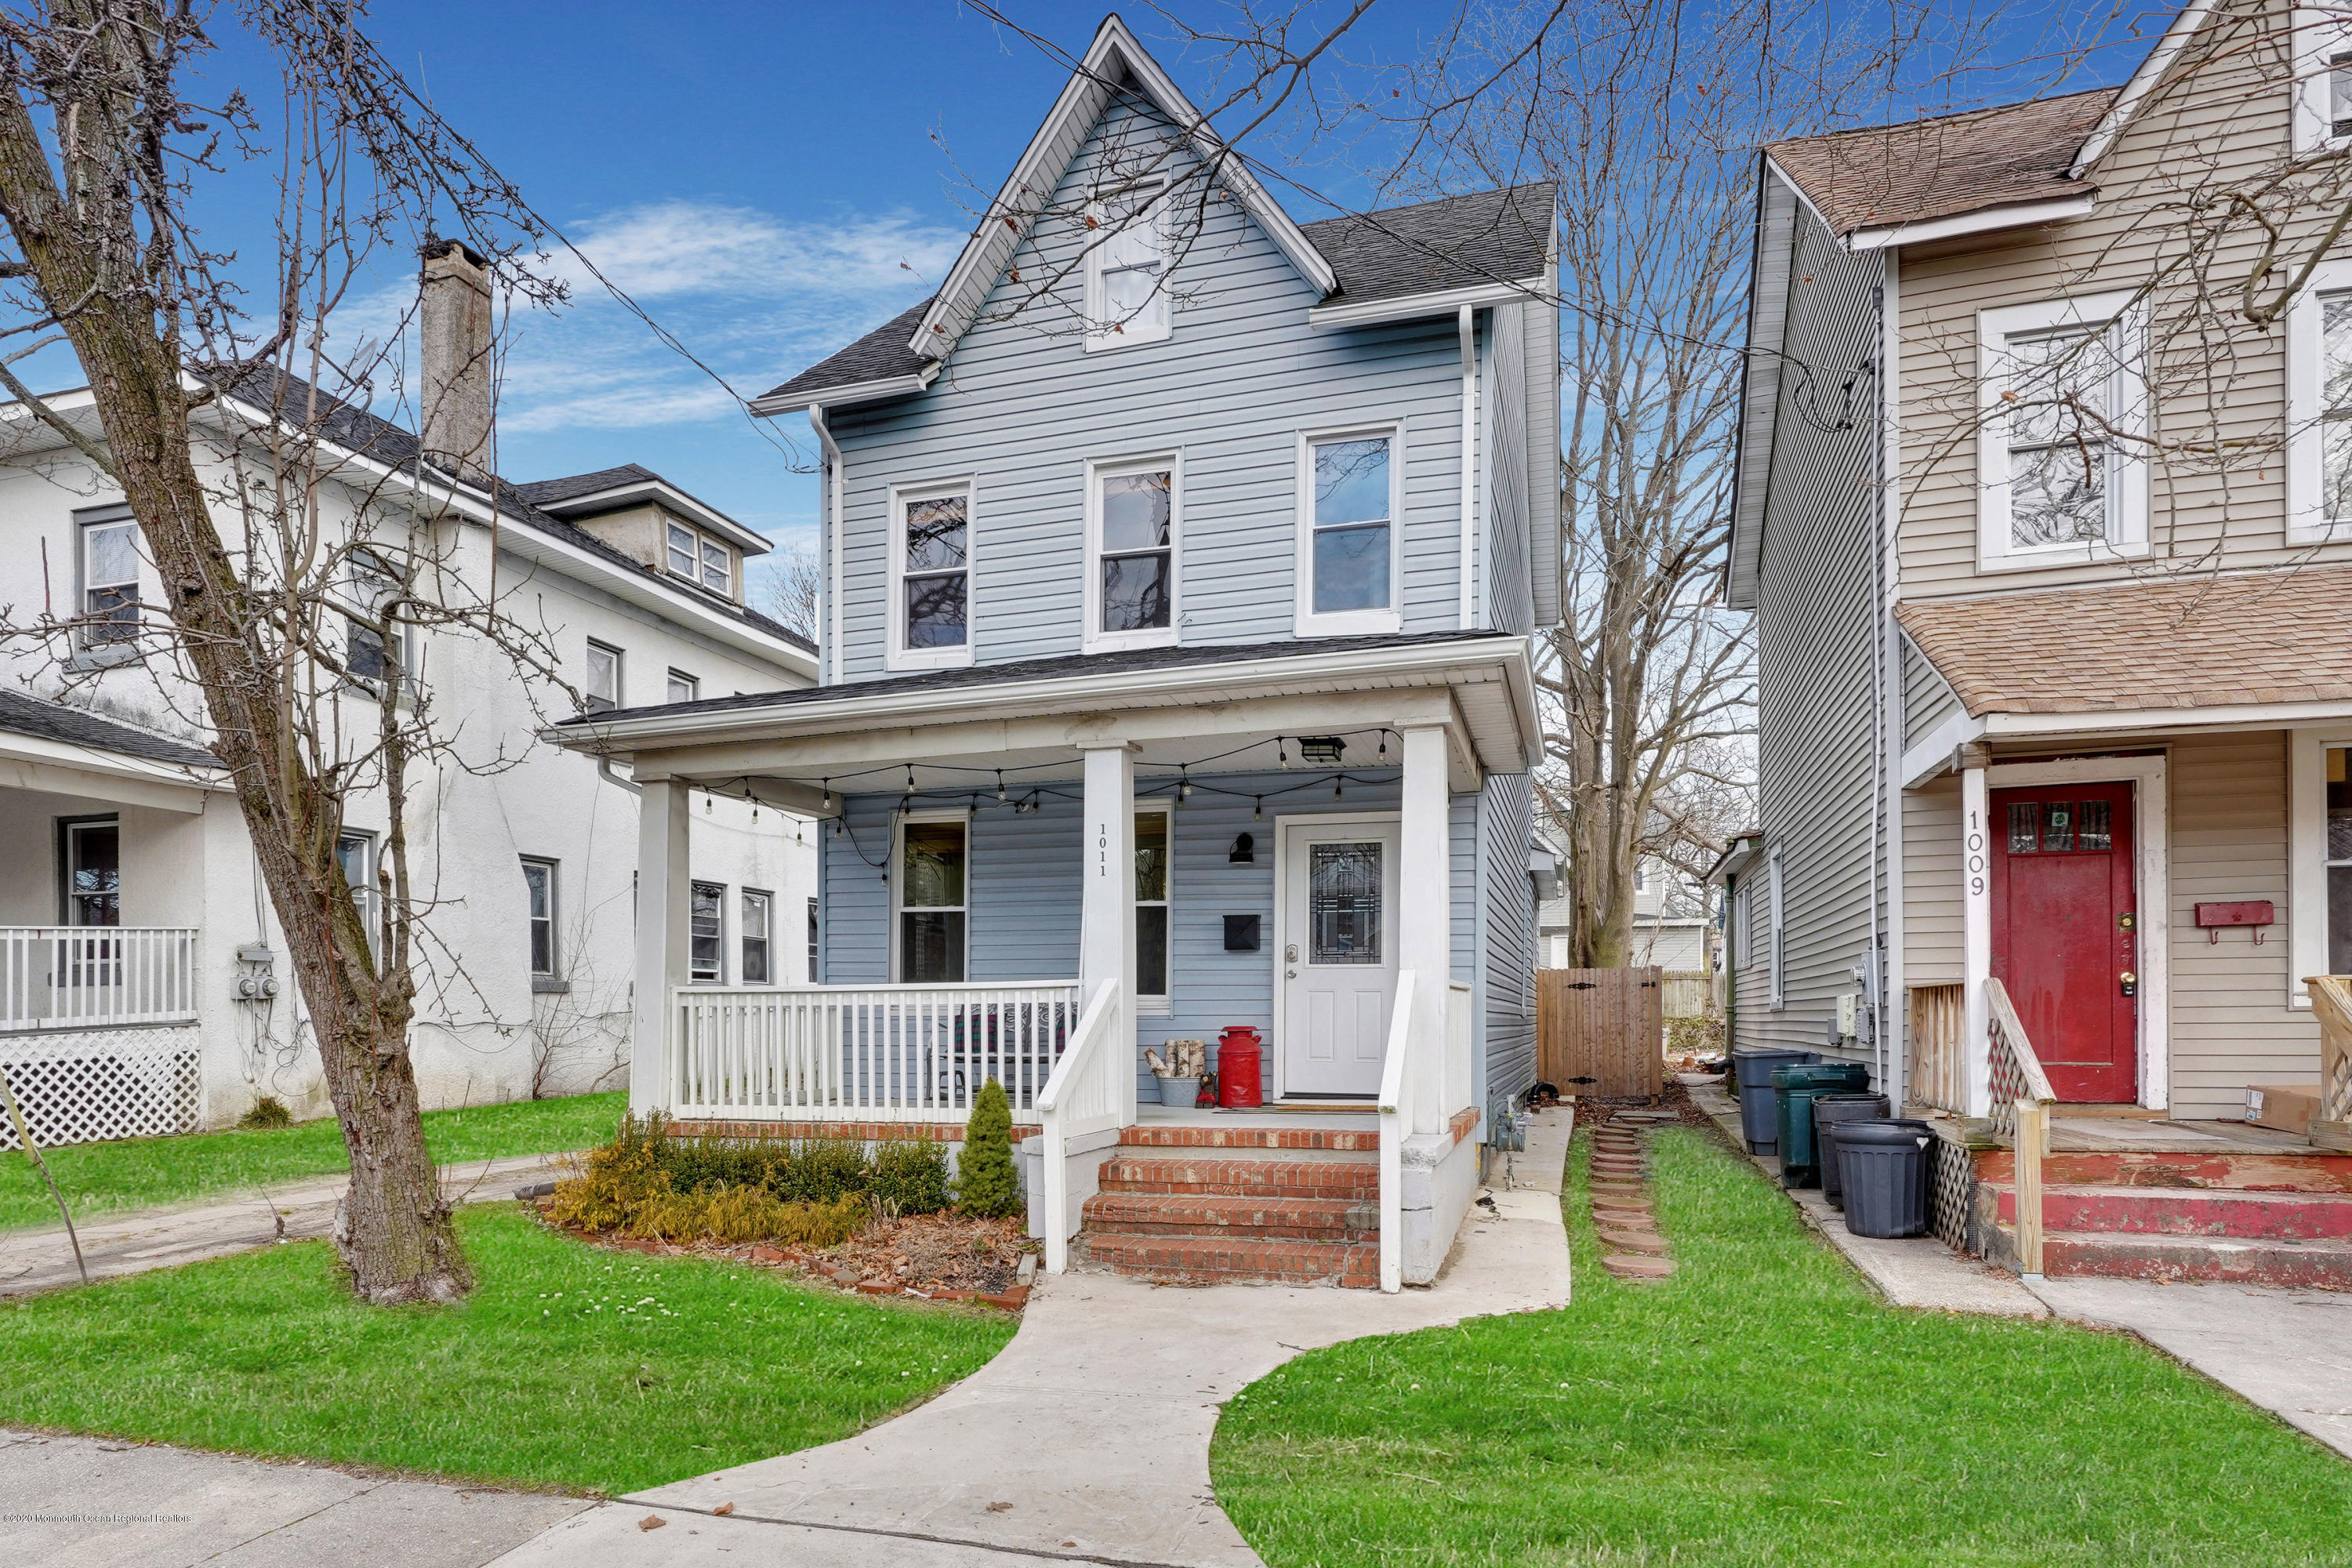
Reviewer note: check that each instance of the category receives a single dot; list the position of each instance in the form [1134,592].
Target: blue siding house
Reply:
[1181,562]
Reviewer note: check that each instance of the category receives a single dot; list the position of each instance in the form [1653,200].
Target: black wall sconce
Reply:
[1244,850]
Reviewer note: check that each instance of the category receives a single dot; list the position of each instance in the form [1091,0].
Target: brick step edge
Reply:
[1292,1140]
[2188,1213]
[1208,1259]
[1241,1178]
[2182,1259]
[1258,1218]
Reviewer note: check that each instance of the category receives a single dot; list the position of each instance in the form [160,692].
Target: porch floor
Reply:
[2135,1135]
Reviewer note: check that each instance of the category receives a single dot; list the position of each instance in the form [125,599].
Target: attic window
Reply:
[2339,94]
[699,558]
[1126,269]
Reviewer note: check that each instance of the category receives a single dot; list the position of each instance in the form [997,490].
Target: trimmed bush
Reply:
[748,1213]
[910,1177]
[649,1181]
[269,1111]
[986,1184]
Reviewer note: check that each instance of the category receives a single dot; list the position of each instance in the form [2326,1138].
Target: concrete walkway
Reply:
[87,1502]
[1087,1438]
[159,1239]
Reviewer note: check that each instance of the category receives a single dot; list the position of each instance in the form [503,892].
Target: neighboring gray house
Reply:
[1180,562]
[1671,928]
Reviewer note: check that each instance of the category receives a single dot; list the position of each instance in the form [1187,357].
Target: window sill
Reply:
[1111,342]
[1124,642]
[548,985]
[929,658]
[1348,622]
[2059,556]
[87,659]
[1154,1007]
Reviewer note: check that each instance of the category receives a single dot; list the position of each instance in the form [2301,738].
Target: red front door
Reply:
[2064,936]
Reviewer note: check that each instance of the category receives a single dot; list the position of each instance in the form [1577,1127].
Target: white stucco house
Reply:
[143,986]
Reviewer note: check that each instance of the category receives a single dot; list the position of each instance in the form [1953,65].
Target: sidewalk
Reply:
[1087,1437]
[133,1243]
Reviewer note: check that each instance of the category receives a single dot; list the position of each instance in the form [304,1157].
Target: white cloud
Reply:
[672,249]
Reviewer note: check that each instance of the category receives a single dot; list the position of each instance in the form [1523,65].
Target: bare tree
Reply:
[312,560]
[793,589]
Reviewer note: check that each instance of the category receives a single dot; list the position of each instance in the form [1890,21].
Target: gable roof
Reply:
[24,715]
[1114,61]
[2193,642]
[1888,176]
[634,484]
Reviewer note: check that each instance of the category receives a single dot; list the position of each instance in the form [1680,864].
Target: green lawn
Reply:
[1762,1407]
[570,1367]
[138,1173]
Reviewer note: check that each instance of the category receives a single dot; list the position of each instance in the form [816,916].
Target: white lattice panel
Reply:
[84,1086]
[1951,1186]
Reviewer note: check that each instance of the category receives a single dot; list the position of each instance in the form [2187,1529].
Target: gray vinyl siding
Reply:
[1815,627]
[1024,895]
[1927,698]
[1504,599]
[1506,1012]
[1540,324]
[1021,406]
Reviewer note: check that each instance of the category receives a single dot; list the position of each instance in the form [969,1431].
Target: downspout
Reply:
[829,496]
[1465,326]
[1731,936]
[604,771]
[1894,1021]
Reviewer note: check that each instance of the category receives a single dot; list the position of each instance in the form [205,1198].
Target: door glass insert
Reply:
[1343,903]
[2024,826]
[2093,829]
[2058,826]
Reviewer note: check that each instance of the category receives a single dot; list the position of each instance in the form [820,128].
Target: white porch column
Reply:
[661,935]
[1107,911]
[1425,914]
[1976,928]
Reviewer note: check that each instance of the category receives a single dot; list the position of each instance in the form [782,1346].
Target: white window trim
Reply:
[899,884]
[1774,945]
[2127,537]
[1348,622]
[726,930]
[677,676]
[2319,32]
[87,650]
[896,654]
[1158,1006]
[2307,867]
[1098,240]
[2306,358]
[1096,640]
[554,917]
[743,938]
[703,540]
[620,698]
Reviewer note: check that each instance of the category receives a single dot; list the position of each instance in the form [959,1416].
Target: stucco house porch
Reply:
[1034,873]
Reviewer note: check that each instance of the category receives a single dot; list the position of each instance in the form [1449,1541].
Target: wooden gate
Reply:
[1602,1024]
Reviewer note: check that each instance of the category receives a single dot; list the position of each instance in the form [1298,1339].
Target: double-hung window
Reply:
[93,860]
[814,934]
[1151,857]
[2323,79]
[355,854]
[933,859]
[699,558]
[1348,486]
[1131,548]
[682,688]
[2062,472]
[602,688]
[757,937]
[2319,867]
[2319,409]
[375,650]
[110,580]
[539,888]
[1127,269]
[706,933]
[931,564]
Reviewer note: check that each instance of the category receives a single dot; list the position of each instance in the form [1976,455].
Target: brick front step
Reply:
[1220,1260]
[1246,1178]
[2199,1213]
[2176,1259]
[1293,1139]
[1257,1218]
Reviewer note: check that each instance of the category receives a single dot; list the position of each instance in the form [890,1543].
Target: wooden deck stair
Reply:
[1274,1205]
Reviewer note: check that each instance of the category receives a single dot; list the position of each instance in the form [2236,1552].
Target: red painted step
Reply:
[2189,1212]
[1270,1219]
[1243,1177]
[1207,1260]
[2180,1259]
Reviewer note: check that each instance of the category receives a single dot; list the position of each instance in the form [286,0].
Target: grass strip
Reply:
[100,1179]
[570,1367]
[1763,1406]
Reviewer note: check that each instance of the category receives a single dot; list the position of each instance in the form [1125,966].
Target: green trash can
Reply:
[1795,1089]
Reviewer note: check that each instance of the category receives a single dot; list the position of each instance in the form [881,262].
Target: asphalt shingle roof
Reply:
[23,715]
[2199,641]
[1951,164]
[570,487]
[1486,236]
[1025,669]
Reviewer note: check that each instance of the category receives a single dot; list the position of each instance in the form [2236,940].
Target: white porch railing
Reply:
[82,977]
[1082,1096]
[884,1053]
[2022,1098]
[1399,1073]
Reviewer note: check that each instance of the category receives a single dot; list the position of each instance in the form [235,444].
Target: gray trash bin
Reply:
[1829,1110]
[1760,1108]
[1883,1164]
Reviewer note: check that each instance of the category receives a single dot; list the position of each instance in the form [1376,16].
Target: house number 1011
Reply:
[1102,848]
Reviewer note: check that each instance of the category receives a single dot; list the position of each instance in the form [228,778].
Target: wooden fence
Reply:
[1601,1031]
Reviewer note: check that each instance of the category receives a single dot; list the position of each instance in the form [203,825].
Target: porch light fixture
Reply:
[1000,786]
[1327,750]
[1244,850]
[1183,787]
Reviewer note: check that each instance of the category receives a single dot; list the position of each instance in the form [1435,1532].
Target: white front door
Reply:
[1336,955]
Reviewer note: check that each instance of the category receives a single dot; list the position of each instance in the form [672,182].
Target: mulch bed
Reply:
[932,1258]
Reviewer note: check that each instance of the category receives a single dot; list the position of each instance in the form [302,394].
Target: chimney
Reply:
[454,418]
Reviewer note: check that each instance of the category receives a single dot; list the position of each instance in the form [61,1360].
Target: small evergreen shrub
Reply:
[621,1178]
[267,1113]
[986,1184]
[910,1177]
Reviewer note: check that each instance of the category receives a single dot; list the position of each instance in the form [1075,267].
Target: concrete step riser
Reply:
[2179,1260]
[1216,1260]
[2134,1211]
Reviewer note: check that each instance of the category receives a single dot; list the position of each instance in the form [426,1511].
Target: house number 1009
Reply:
[1976,855]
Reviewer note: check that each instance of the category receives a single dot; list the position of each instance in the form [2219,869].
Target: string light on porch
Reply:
[1000,786]
[1183,783]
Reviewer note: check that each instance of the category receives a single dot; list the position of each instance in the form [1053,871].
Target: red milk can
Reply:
[1238,1061]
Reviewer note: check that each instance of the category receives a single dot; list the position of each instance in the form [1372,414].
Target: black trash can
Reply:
[1760,1110]
[1829,1110]
[1883,1164]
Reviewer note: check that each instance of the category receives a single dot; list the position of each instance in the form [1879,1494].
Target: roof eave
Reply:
[880,390]
[1776,201]
[1413,307]
[1982,220]
[2143,81]
[669,496]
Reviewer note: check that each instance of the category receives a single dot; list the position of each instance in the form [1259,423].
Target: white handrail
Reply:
[79,977]
[1076,1099]
[1396,1125]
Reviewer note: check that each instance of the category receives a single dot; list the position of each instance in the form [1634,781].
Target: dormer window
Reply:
[699,558]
